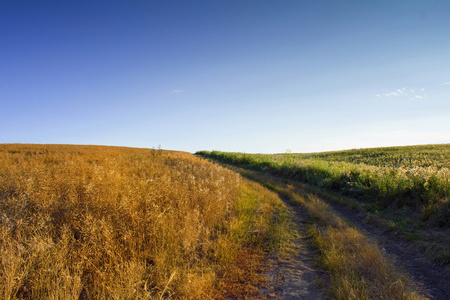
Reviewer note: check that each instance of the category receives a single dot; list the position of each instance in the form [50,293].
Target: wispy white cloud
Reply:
[396,93]
[405,92]
[401,91]
[391,94]
[177,91]
[446,83]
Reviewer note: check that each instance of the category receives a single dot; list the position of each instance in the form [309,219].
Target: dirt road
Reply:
[299,278]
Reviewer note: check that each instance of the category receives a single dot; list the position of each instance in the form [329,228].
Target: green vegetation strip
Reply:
[417,178]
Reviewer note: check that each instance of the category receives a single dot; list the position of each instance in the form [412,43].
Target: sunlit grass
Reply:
[90,222]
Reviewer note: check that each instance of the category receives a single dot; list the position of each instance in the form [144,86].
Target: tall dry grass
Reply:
[91,222]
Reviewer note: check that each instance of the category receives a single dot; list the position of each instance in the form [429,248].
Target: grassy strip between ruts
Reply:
[358,269]
[434,243]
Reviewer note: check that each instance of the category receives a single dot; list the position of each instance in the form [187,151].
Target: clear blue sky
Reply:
[250,76]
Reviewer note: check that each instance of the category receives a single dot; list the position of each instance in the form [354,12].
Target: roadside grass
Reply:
[262,225]
[358,269]
[93,222]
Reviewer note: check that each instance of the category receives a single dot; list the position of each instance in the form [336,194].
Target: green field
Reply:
[416,178]
[399,157]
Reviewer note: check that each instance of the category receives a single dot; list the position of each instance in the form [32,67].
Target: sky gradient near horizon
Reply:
[249,76]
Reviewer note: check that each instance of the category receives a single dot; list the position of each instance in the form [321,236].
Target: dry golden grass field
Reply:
[96,222]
